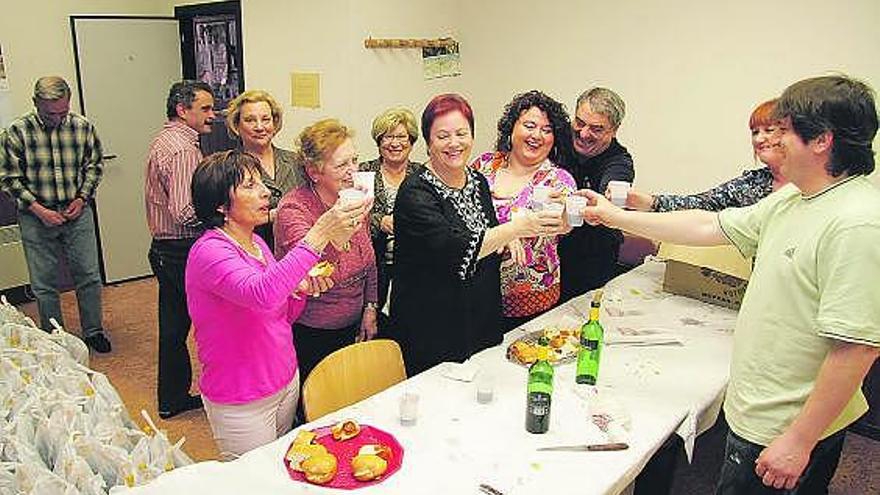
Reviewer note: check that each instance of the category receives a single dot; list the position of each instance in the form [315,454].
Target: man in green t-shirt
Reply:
[809,327]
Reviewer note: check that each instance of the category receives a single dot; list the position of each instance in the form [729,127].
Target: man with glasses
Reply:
[589,254]
[172,159]
[51,164]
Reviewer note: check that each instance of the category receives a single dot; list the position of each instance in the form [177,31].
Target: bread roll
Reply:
[299,452]
[320,469]
[366,467]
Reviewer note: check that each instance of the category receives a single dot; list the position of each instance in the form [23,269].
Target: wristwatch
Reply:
[370,305]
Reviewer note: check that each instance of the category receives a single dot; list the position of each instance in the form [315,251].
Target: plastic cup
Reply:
[485,386]
[351,195]
[556,208]
[365,181]
[573,207]
[540,197]
[409,408]
[619,190]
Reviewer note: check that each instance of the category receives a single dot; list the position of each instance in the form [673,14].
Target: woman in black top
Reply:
[446,302]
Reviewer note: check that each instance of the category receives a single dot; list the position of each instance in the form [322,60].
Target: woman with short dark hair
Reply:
[242,301]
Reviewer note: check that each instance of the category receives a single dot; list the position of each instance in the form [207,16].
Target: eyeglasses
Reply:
[596,130]
[389,138]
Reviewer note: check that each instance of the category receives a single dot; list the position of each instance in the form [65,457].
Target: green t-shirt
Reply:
[815,281]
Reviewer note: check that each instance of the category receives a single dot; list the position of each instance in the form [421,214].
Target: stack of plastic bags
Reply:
[63,428]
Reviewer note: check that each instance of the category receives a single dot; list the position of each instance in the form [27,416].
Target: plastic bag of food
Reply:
[76,347]
[103,459]
[73,468]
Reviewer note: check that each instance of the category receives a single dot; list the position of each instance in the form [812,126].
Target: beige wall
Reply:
[36,40]
[690,71]
[282,36]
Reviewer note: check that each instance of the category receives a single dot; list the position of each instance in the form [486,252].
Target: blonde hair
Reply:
[233,111]
[391,118]
[319,140]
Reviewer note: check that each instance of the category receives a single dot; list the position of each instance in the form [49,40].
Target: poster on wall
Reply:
[441,61]
[4,79]
[215,55]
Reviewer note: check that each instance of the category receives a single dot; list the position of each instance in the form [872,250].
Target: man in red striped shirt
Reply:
[172,158]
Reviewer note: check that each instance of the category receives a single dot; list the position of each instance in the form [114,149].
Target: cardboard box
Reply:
[716,275]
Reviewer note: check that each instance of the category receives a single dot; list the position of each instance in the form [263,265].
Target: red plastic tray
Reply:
[346,450]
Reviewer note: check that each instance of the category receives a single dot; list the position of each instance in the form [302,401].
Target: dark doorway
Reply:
[211,51]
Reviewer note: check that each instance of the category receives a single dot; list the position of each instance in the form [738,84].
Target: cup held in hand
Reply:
[619,190]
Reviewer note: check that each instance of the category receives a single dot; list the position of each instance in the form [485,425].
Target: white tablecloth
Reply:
[458,444]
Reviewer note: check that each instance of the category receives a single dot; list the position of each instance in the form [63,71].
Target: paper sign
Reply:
[441,62]
[305,89]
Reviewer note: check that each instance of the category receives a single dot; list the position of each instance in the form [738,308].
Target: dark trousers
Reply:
[314,344]
[658,474]
[168,261]
[738,475]
[385,276]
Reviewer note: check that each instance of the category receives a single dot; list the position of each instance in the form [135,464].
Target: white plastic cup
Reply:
[554,207]
[485,386]
[573,207]
[619,190]
[351,195]
[409,408]
[365,181]
[540,197]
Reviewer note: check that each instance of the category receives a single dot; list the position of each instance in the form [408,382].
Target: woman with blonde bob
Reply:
[347,311]
[394,131]
[255,117]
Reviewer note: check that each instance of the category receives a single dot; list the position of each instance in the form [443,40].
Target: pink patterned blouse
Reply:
[533,288]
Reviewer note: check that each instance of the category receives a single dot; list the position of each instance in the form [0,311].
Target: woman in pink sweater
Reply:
[242,301]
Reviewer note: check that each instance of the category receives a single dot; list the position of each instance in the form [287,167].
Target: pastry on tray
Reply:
[299,452]
[319,469]
[367,467]
[345,430]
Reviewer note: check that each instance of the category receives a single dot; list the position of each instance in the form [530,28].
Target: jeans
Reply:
[738,475]
[168,261]
[42,247]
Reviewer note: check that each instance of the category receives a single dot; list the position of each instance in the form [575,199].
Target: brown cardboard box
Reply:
[716,275]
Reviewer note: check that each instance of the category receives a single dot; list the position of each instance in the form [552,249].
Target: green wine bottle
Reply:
[540,391]
[592,338]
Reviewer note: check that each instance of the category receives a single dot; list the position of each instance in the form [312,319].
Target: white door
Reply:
[126,66]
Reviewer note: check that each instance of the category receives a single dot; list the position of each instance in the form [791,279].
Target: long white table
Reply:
[458,444]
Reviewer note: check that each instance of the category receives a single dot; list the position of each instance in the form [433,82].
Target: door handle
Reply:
[109,157]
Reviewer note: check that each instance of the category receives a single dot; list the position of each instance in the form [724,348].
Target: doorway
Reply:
[124,67]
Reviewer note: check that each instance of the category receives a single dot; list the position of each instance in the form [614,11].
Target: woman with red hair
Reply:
[446,299]
[745,190]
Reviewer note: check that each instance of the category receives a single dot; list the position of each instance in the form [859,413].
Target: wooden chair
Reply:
[351,374]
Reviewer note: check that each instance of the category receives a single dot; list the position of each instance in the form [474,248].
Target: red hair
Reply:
[762,115]
[441,105]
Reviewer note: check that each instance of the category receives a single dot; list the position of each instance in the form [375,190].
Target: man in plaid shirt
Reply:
[51,165]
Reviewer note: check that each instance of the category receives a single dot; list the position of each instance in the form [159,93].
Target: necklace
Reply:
[253,251]
[346,246]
